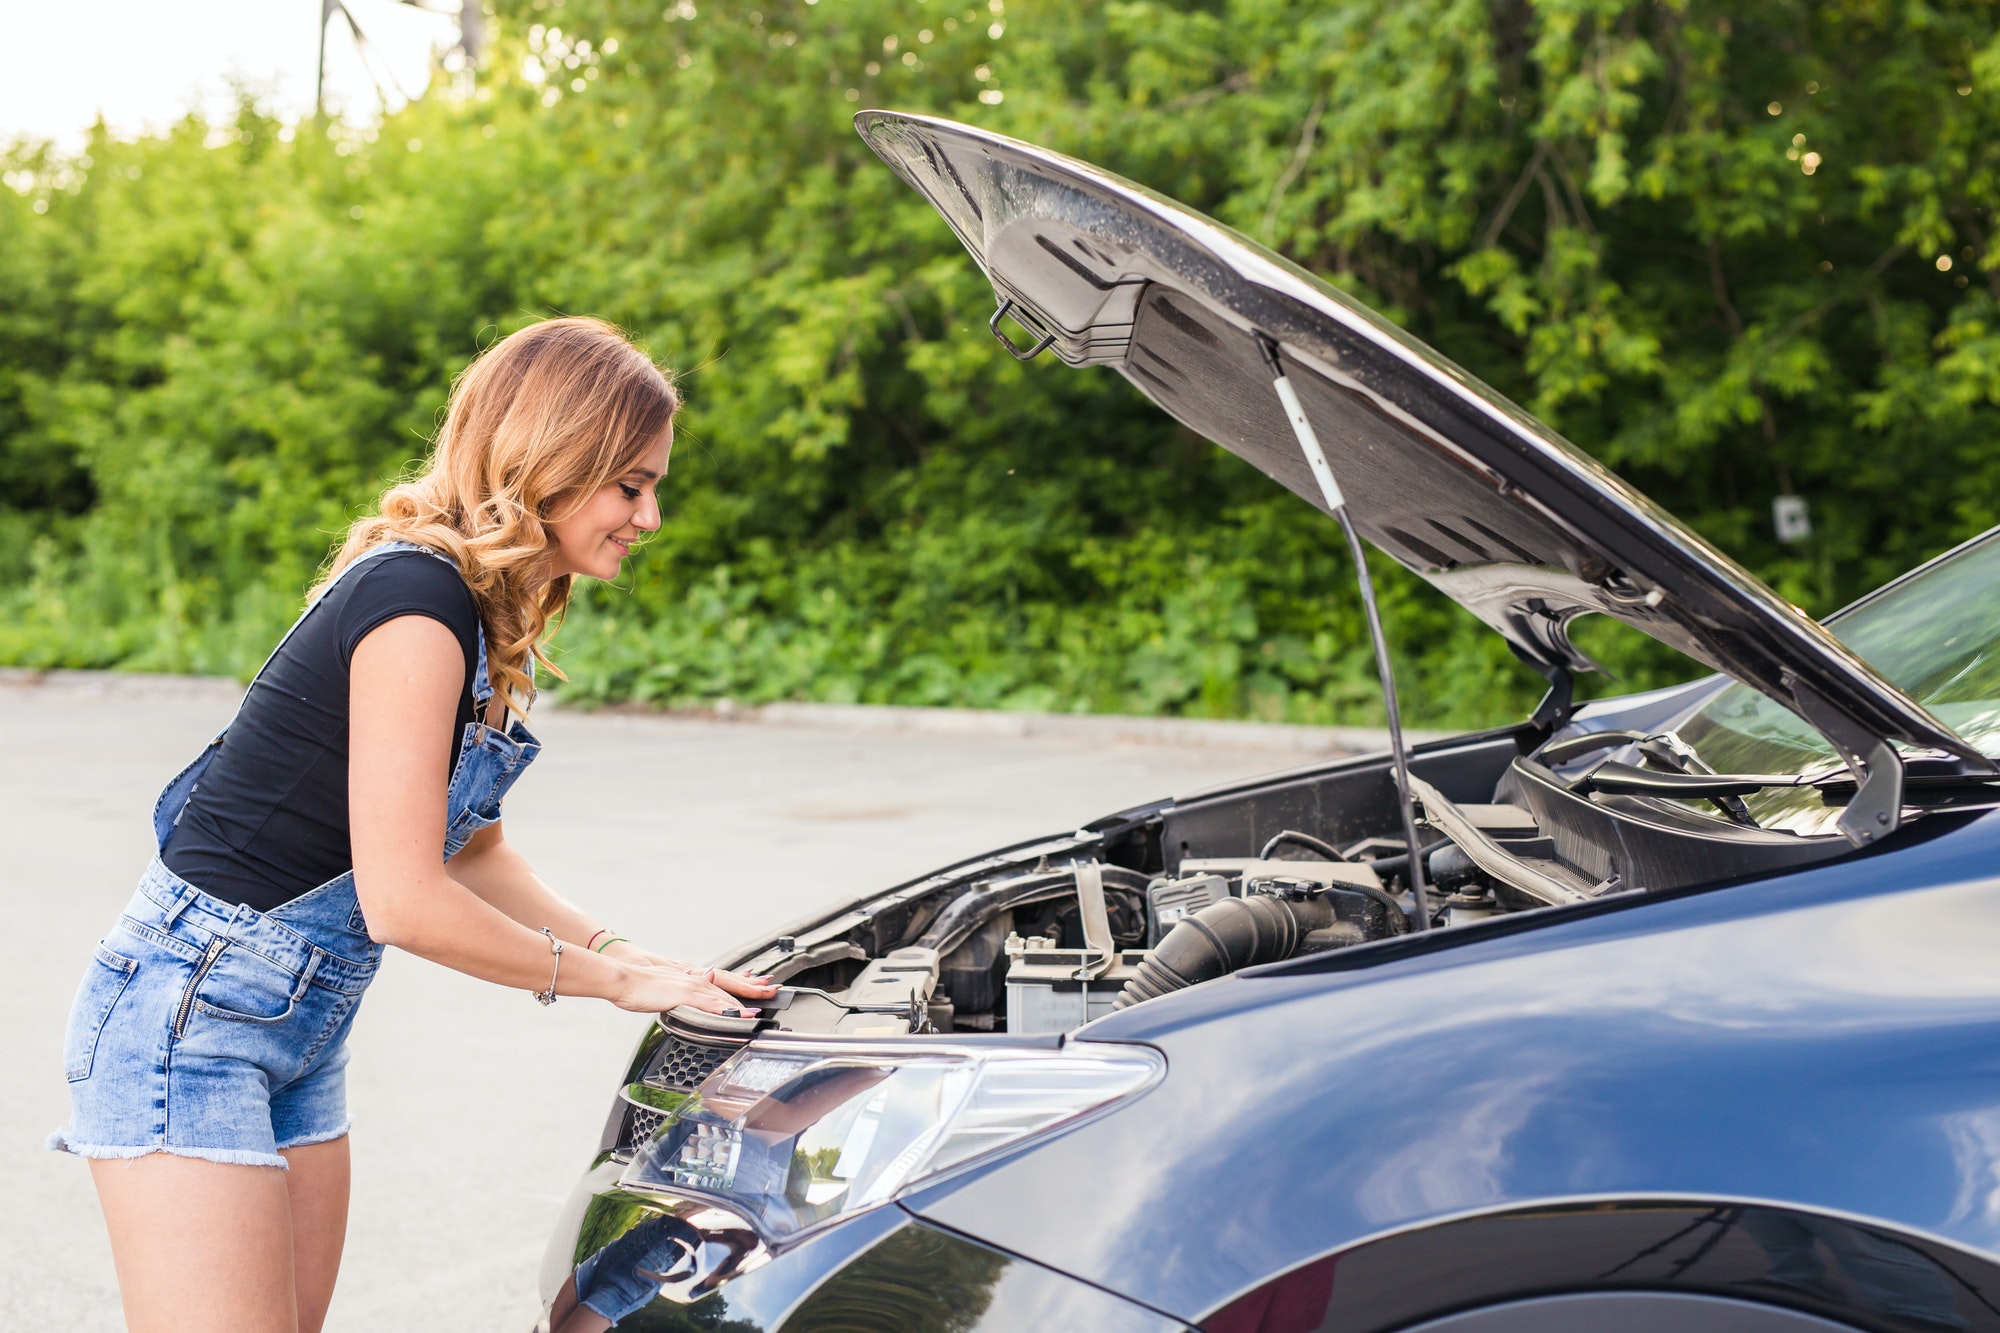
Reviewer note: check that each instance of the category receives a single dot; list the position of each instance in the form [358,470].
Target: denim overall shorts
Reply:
[212,1030]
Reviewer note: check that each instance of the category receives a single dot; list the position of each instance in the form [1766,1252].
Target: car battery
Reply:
[1049,989]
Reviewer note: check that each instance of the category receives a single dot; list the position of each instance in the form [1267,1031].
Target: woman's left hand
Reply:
[747,988]
[627,952]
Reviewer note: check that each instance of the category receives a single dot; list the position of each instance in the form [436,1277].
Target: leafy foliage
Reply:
[1735,251]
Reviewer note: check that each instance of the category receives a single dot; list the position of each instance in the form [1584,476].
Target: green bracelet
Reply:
[615,939]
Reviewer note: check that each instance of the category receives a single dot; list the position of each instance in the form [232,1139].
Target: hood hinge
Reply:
[1876,808]
[1553,713]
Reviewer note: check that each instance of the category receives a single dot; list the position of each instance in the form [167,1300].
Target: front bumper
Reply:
[881,1271]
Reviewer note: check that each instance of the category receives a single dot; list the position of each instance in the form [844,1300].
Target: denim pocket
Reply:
[106,980]
[462,829]
[465,824]
[243,986]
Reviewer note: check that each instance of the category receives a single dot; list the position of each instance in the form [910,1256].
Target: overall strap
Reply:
[483,688]
[482,684]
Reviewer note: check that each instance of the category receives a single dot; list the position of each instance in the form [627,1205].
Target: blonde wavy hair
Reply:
[538,423]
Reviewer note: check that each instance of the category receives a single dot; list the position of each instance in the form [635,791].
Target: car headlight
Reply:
[794,1134]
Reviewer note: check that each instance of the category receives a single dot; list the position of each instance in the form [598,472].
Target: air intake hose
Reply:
[1224,936]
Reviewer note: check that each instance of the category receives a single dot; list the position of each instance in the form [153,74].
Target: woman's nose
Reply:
[648,517]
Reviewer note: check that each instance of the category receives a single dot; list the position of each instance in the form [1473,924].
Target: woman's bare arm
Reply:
[494,869]
[404,685]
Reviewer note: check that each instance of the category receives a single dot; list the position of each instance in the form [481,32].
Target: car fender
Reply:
[1827,1039]
[1523,1261]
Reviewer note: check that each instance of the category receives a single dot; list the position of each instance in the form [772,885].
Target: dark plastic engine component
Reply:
[1222,937]
[973,908]
[1125,908]
[975,973]
[966,913]
[1391,920]
[1298,839]
[1451,867]
[1171,901]
[1397,865]
[1339,935]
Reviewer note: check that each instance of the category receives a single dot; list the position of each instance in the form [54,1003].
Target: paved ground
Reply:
[474,1108]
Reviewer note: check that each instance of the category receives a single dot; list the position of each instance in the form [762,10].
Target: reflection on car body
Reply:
[1692,1029]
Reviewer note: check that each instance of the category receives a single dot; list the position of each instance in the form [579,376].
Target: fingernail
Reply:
[732,1013]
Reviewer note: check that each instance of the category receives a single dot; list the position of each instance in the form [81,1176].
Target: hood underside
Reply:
[1449,478]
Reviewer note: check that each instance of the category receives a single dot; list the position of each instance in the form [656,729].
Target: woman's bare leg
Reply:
[568,1316]
[317,1184]
[199,1246]
[583,1319]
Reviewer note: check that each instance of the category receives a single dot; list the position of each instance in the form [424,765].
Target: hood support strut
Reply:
[1295,412]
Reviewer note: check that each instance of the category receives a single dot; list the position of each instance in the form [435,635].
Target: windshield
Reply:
[1935,635]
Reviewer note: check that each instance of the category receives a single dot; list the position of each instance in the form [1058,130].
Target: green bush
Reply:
[1733,251]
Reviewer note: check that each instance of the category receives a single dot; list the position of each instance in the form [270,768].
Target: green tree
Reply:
[1734,252]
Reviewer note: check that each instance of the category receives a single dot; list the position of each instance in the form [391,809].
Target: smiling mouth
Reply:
[623,544]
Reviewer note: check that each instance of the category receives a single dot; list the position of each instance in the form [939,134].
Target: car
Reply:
[1677,1011]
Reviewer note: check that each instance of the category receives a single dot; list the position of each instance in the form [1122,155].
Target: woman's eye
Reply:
[629,492]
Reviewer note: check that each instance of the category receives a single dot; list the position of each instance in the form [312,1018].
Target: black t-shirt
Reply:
[268,821]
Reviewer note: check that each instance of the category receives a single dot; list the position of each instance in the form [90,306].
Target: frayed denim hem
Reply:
[225,1156]
[310,1139]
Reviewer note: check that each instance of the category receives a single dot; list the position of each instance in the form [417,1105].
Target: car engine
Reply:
[1041,939]
[1046,938]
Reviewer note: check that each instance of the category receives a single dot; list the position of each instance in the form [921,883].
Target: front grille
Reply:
[681,1065]
[640,1122]
[678,1066]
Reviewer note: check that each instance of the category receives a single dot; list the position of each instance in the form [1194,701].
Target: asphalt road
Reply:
[474,1108]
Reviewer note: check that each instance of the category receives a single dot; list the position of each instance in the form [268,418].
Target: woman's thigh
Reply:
[199,1245]
[317,1184]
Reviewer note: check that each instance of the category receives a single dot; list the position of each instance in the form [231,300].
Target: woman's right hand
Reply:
[653,990]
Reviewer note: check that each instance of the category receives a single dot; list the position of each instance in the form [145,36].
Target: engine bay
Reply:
[1041,939]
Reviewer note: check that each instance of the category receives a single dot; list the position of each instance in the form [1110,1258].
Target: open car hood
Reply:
[1444,474]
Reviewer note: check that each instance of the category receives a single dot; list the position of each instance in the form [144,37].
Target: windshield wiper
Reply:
[1667,748]
[1629,779]
[1663,748]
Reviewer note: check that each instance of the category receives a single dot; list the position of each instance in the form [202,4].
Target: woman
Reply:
[352,804]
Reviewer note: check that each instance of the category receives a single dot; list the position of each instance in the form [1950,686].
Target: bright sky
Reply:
[146,62]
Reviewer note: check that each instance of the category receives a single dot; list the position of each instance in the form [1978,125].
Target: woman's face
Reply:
[598,536]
